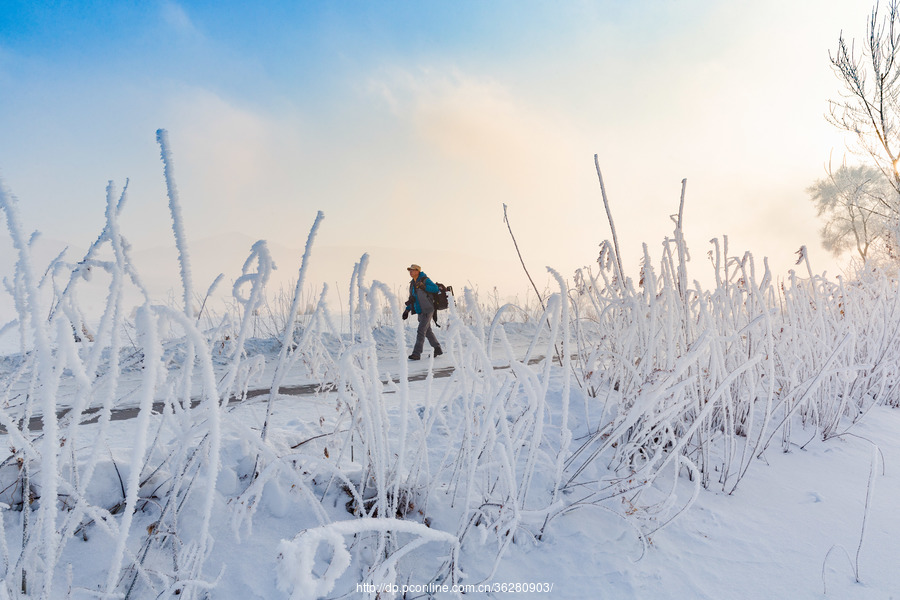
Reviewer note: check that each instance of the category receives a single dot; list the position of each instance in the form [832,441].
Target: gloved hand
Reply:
[405,314]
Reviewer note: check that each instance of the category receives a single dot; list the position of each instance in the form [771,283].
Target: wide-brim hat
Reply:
[414,267]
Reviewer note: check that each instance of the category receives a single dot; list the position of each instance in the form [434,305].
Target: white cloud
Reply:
[176,17]
[480,123]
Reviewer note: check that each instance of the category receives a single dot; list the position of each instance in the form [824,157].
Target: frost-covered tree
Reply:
[869,107]
[859,207]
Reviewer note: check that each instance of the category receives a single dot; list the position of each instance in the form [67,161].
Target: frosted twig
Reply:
[162,138]
[287,338]
[612,226]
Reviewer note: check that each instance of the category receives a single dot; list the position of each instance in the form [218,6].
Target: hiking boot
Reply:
[414,356]
[438,351]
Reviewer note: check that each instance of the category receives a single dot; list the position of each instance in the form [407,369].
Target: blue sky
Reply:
[410,124]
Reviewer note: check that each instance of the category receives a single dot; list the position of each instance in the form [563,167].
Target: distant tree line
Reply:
[861,204]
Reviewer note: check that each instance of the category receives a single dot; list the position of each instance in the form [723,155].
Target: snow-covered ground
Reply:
[770,539]
[793,528]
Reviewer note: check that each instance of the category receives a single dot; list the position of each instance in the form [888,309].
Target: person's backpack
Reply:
[440,300]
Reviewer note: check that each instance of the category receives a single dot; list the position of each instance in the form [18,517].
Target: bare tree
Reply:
[869,107]
[859,207]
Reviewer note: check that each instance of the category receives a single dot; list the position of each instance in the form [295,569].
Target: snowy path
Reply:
[36,423]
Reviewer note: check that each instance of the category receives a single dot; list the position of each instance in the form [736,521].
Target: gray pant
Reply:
[424,331]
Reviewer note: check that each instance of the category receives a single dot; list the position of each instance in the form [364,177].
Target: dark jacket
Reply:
[419,300]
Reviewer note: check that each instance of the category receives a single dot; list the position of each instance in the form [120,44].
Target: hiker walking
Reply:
[420,303]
